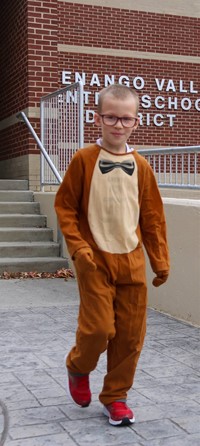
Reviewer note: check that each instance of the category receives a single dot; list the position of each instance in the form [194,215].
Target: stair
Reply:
[26,244]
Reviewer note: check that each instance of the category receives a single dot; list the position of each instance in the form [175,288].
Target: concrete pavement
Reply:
[37,328]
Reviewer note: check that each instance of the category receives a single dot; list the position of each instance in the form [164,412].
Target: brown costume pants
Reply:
[112,316]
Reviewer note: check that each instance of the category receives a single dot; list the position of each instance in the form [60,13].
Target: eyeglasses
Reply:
[125,121]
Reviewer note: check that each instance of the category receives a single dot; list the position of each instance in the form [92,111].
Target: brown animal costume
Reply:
[110,204]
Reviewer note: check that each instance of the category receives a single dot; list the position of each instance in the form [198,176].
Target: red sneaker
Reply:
[119,414]
[78,389]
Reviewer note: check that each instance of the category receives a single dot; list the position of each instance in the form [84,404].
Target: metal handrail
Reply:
[59,92]
[175,167]
[169,150]
[23,116]
[62,129]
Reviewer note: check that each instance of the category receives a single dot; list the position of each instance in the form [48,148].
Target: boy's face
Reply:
[115,136]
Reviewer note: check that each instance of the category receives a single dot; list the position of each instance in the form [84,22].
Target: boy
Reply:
[108,205]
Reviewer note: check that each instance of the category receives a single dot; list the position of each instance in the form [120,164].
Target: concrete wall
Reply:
[180,296]
[26,167]
[46,200]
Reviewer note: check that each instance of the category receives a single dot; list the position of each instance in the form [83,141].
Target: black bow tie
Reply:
[106,166]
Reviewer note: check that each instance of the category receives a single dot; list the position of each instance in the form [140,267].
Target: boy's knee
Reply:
[99,333]
[104,332]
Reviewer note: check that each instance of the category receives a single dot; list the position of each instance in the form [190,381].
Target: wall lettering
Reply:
[165,104]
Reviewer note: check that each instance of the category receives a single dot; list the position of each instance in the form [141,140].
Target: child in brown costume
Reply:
[108,207]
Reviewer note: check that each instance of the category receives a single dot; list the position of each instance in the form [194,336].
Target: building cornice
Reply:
[31,112]
[188,8]
[113,52]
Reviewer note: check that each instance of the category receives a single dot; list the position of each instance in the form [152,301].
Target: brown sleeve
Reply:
[67,204]
[152,220]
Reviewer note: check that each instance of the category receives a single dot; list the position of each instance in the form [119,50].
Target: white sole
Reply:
[126,421]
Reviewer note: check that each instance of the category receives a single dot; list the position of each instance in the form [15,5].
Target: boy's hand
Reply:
[161,277]
[84,260]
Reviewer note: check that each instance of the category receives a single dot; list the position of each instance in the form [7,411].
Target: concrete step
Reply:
[19,208]
[26,244]
[26,234]
[26,220]
[38,264]
[15,195]
[13,184]
[29,249]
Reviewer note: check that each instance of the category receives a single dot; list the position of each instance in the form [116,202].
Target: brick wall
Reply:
[29,60]
[42,49]
[185,130]
[133,30]
[14,56]
[32,65]
[144,32]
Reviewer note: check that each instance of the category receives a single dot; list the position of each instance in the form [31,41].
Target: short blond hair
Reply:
[118,91]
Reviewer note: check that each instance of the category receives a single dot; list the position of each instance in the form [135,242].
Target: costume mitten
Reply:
[161,277]
[84,260]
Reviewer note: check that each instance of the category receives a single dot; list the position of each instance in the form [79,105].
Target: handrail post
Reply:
[42,140]
[81,112]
